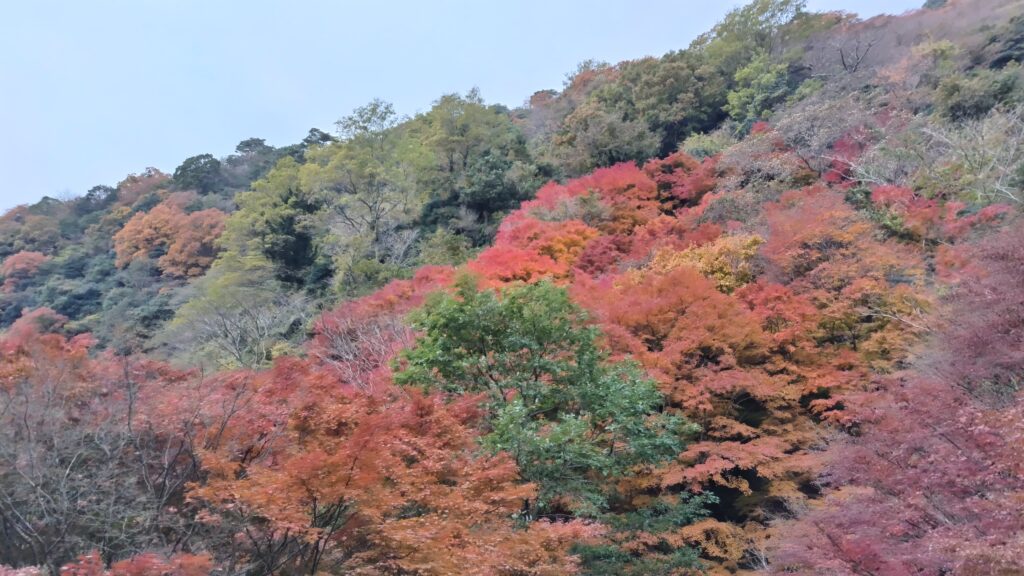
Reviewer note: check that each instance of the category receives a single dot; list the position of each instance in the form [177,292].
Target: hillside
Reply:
[756,305]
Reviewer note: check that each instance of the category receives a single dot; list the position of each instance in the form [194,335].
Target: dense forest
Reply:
[753,306]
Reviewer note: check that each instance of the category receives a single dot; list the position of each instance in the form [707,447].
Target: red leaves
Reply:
[925,218]
[625,194]
[986,316]
[504,264]
[19,267]
[764,345]
[682,177]
[927,486]
[358,338]
[931,483]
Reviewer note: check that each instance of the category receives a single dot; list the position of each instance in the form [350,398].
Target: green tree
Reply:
[476,164]
[445,248]
[573,420]
[758,27]
[201,173]
[274,220]
[596,134]
[759,87]
[366,185]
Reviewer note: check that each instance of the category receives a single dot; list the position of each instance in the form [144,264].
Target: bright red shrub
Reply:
[503,264]
[681,178]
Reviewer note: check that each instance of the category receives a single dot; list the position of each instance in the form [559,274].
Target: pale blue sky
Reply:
[93,90]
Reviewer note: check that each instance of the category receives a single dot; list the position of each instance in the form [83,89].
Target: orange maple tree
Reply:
[183,244]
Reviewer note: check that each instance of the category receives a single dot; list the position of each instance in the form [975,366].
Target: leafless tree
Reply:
[354,347]
[242,329]
[977,161]
[852,52]
[80,471]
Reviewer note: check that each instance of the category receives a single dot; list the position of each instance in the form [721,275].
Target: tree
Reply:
[572,421]
[476,164]
[182,244]
[594,137]
[136,187]
[759,87]
[358,196]
[97,198]
[317,137]
[237,316]
[356,482]
[253,147]
[18,268]
[758,26]
[926,484]
[84,465]
[357,339]
[274,221]
[201,173]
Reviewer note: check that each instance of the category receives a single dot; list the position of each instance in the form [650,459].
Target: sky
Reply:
[92,91]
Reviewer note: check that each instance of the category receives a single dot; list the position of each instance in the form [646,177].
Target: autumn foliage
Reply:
[771,335]
[799,350]
[183,244]
[19,267]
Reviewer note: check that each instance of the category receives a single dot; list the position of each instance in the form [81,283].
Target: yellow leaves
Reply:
[728,261]
[718,540]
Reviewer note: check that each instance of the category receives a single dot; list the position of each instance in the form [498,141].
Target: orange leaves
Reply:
[787,318]
[183,244]
[32,351]
[145,232]
[812,227]
[135,186]
[148,564]
[818,242]
[675,323]
[722,541]
[193,248]
[539,549]
[561,241]
[716,463]
[403,474]
[528,249]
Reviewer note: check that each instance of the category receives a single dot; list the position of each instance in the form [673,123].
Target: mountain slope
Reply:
[763,316]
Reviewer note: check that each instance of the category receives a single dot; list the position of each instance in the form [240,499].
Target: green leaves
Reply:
[572,420]
[760,86]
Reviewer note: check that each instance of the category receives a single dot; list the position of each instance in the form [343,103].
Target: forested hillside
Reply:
[756,305]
